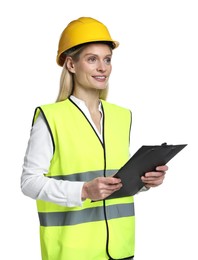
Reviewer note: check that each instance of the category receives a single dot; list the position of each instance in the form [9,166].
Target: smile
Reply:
[99,77]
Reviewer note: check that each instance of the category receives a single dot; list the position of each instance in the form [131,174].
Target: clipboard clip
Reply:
[164,144]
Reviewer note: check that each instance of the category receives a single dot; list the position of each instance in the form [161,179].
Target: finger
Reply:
[153,181]
[112,180]
[113,187]
[153,177]
[154,174]
[162,168]
[107,192]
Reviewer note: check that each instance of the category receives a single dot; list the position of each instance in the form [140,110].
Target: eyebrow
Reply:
[110,54]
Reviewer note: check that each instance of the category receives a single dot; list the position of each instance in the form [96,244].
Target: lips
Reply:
[100,78]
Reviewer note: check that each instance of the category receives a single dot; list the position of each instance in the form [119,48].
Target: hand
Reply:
[100,188]
[156,178]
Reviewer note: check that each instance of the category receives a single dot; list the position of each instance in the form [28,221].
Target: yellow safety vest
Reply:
[98,230]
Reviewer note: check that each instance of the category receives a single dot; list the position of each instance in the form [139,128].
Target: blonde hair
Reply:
[67,80]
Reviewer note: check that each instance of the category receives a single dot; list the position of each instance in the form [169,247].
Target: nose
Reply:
[101,66]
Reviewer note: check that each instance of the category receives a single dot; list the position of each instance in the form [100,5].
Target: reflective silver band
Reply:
[85,215]
[84,176]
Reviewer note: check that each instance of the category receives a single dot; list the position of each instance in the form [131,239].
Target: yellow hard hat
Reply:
[82,30]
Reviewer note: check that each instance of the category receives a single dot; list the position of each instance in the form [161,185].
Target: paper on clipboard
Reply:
[146,159]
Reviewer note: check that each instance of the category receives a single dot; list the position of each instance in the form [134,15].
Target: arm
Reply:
[36,163]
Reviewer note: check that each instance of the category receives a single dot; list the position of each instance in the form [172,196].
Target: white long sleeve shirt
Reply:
[37,161]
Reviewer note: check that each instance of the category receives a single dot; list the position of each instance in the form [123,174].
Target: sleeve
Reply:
[37,159]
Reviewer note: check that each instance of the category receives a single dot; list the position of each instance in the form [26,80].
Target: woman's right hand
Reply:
[100,188]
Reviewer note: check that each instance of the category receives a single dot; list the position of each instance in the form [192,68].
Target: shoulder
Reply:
[114,112]
[115,107]
[54,106]
[50,110]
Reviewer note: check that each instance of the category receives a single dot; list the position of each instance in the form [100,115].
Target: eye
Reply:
[108,60]
[91,59]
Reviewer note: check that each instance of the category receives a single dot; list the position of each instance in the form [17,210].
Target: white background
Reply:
[155,74]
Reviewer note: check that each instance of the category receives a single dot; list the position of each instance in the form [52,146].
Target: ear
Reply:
[70,65]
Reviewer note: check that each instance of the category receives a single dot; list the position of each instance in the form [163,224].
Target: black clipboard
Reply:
[146,159]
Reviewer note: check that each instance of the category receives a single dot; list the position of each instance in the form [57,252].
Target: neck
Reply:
[91,99]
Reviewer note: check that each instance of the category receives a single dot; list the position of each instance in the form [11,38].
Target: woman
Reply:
[75,147]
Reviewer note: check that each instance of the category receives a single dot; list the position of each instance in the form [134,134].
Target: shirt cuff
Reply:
[144,188]
[74,192]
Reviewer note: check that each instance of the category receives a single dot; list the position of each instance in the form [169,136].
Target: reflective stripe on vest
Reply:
[84,176]
[85,215]
[74,233]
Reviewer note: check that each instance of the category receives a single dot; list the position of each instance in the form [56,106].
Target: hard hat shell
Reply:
[82,30]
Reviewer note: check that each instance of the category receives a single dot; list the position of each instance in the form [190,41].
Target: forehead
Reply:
[97,48]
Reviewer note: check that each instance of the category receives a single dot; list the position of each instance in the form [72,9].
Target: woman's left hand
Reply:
[156,178]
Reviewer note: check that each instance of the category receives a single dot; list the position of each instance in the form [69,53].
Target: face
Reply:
[93,68]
